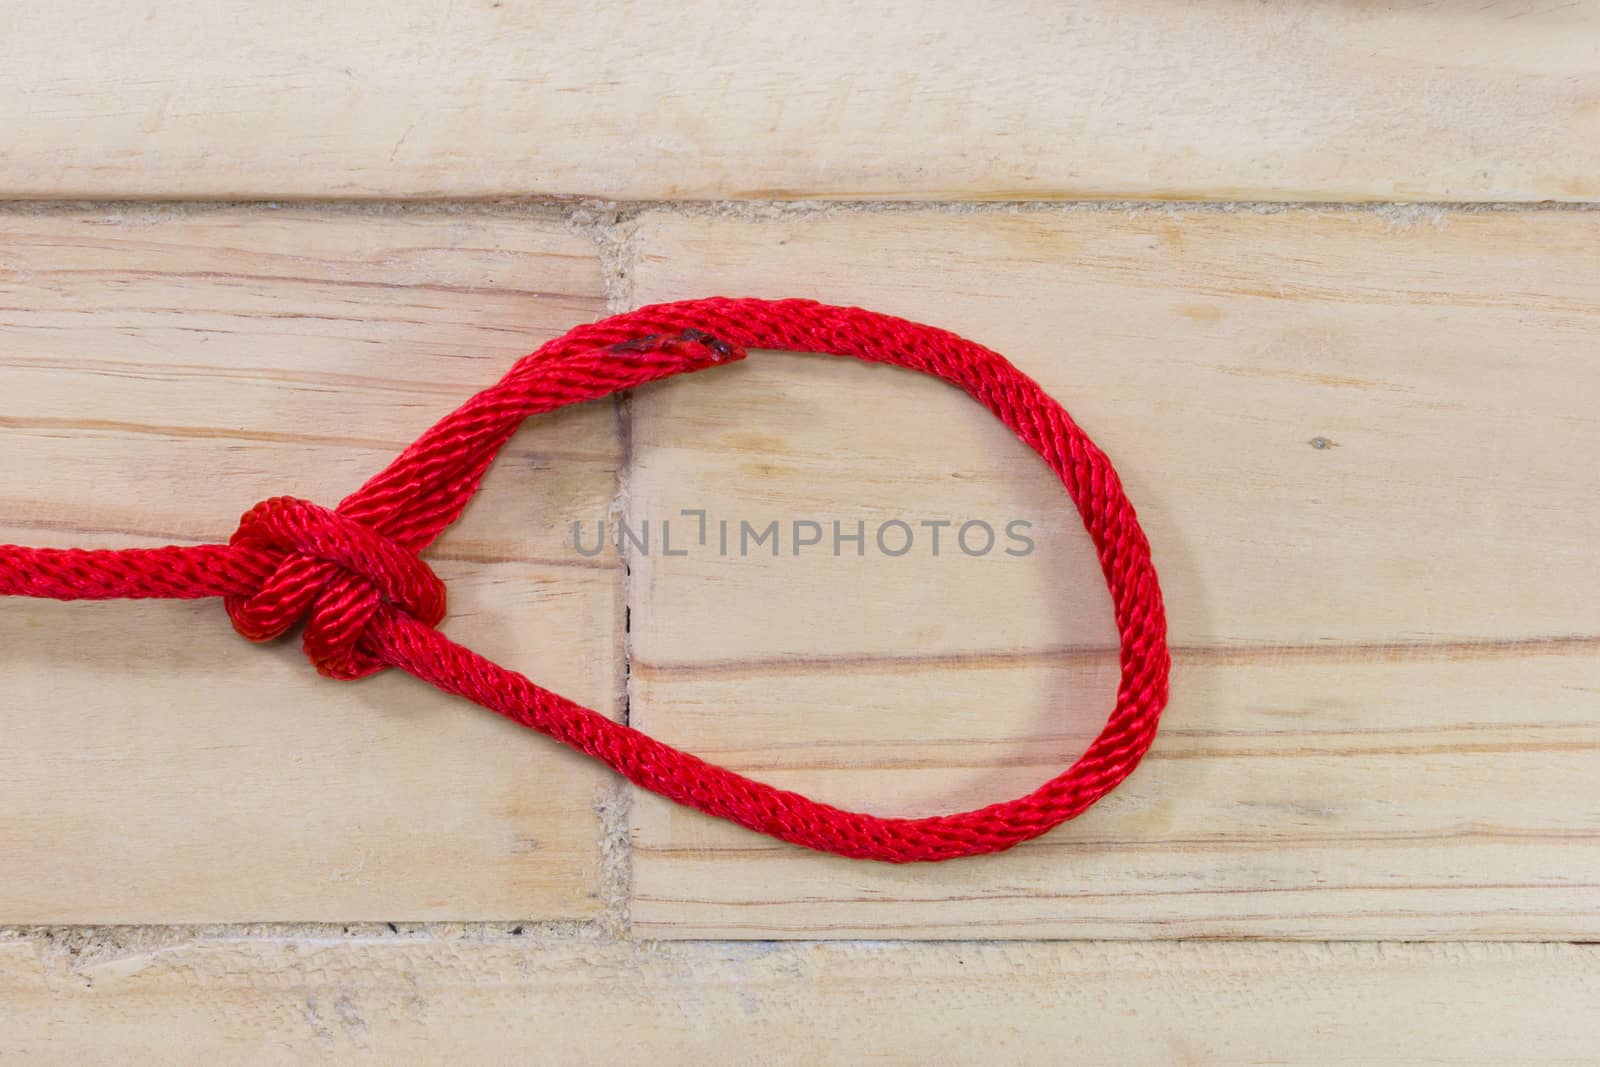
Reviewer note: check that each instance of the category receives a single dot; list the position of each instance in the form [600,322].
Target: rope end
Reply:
[700,348]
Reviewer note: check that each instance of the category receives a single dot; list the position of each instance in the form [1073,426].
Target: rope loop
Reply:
[334,572]
[353,573]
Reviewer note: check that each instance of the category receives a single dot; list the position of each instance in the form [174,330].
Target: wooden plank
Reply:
[411,999]
[1356,441]
[159,373]
[726,100]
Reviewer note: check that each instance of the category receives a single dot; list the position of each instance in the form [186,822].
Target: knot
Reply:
[334,572]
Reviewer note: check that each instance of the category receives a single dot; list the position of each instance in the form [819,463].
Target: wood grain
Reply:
[411,1000]
[161,371]
[1298,101]
[1357,440]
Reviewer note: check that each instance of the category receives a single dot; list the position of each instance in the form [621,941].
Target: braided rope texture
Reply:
[353,574]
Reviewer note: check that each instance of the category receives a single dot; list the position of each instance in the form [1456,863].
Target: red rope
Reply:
[368,602]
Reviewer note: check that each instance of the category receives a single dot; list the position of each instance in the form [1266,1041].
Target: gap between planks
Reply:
[604,219]
[72,947]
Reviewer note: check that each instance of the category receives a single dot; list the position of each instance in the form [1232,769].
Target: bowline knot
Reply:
[334,572]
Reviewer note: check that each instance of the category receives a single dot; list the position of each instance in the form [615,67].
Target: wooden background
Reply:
[1323,278]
